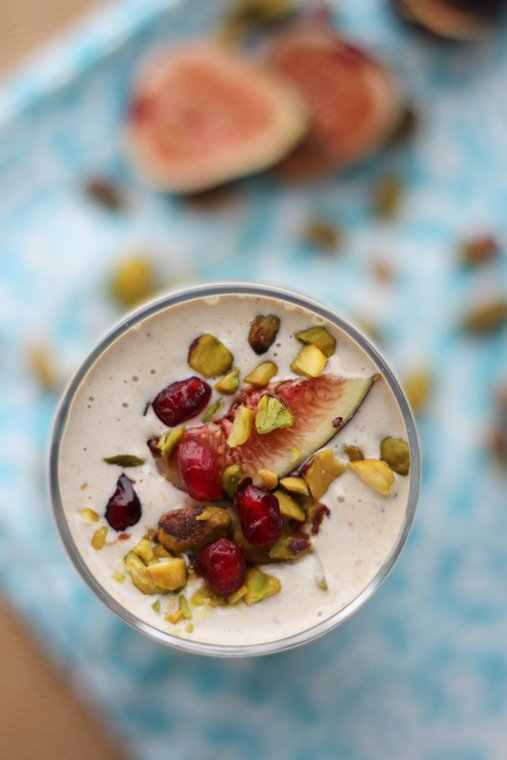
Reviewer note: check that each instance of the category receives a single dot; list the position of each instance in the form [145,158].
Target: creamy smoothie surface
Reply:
[330,549]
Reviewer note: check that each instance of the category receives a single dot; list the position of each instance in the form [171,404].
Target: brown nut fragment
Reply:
[354,453]
[180,530]
[396,453]
[263,333]
[316,514]
[486,317]
[320,337]
[105,193]
[209,356]
[499,445]
[288,547]
[479,251]
[320,471]
[321,234]
[388,197]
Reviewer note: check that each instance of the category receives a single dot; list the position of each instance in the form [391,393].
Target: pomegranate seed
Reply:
[222,566]
[259,514]
[123,508]
[181,401]
[197,465]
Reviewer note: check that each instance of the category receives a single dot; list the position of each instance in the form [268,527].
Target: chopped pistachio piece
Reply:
[241,427]
[288,547]
[374,473]
[320,580]
[396,453]
[144,550]
[289,507]
[256,555]
[262,374]
[229,384]
[272,414]
[204,596]
[171,574]
[486,317]
[309,362]
[185,608]
[189,628]
[43,366]
[133,281]
[209,356]
[259,586]
[156,605]
[321,234]
[354,453]
[160,552]
[124,460]
[320,471]
[138,572]
[117,576]
[88,515]
[388,197]
[174,617]
[269,479]
[99,538]
[169,442]
[211,411]
[417,386]
[295,454]
[204,515]
[263,333]
[239,594]
[296,485]
[231,478]
[320,337]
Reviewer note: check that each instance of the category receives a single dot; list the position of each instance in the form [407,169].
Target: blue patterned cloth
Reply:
[420,673]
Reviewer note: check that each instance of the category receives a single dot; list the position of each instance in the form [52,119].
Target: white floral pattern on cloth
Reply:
[420,673]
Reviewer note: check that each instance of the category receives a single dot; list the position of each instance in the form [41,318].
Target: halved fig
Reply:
[321,407]
[463,20]
[202,116]
[354,103]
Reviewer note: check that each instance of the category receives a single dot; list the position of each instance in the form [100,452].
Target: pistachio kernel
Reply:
[209,356]
[272,414]
[354,453]
[241,427]
[320,337]
[262,374]
[169,442]
[396,453]
[263,332]
[211,411]
[229,384]
[309,362]
[231,478]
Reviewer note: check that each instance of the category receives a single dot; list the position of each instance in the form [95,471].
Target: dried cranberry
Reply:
[259,515]
[197,465]
[222,566]
[181,401]
[123,508]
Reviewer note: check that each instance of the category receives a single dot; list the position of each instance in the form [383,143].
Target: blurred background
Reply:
[392,210]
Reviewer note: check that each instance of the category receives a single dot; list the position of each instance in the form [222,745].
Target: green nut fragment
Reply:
[156,605]
[99,538]
[272,414]
[209,356]
[417,386]
[388,197]
[263,333]
[396,453]
[241,427]
[144,550]
[231,478]
[211,411]
[185,608]
[204,596]
[133,281]
[169,443]
[289,507]
[309,362]
[288,547]
[124,460]
[117,576]
[171,574]
[354,453]
[43,366]
[160,552]
[259,586]
[228,384]
[256,555]
[262,374]
[320,337]
[320,471]
[239,594]
[88,515]
[138,572]
[296,485]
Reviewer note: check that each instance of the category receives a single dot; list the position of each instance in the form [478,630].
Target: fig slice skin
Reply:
[354,102]
[321,407]
[203,116]
[458,21]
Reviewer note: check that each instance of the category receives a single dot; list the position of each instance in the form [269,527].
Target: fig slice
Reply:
[354,103]
[202,116]
[461,20]
[321,407]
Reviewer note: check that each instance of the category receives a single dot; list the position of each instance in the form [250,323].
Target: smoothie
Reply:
[309,481]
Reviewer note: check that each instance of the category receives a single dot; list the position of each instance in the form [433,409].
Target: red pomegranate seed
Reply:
[123,508]
[222,566]
[181,401]
[197,465]
[259,514]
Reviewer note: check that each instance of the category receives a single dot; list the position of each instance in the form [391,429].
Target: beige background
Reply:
[41,717]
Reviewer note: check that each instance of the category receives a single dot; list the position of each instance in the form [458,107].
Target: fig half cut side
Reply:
[321,407]
[354,103]
[202,116]
[451,20]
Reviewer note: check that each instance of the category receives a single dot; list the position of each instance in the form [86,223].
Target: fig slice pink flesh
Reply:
[321,407]
[353,102]
[202,116]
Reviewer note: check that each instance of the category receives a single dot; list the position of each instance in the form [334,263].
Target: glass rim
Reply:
[148,310]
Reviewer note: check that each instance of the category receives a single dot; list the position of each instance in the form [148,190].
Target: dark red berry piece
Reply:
[259,515]
[123,508]
[181,401]
[197,464]
[222,566]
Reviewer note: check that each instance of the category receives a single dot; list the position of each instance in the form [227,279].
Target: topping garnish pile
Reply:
[258,472]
